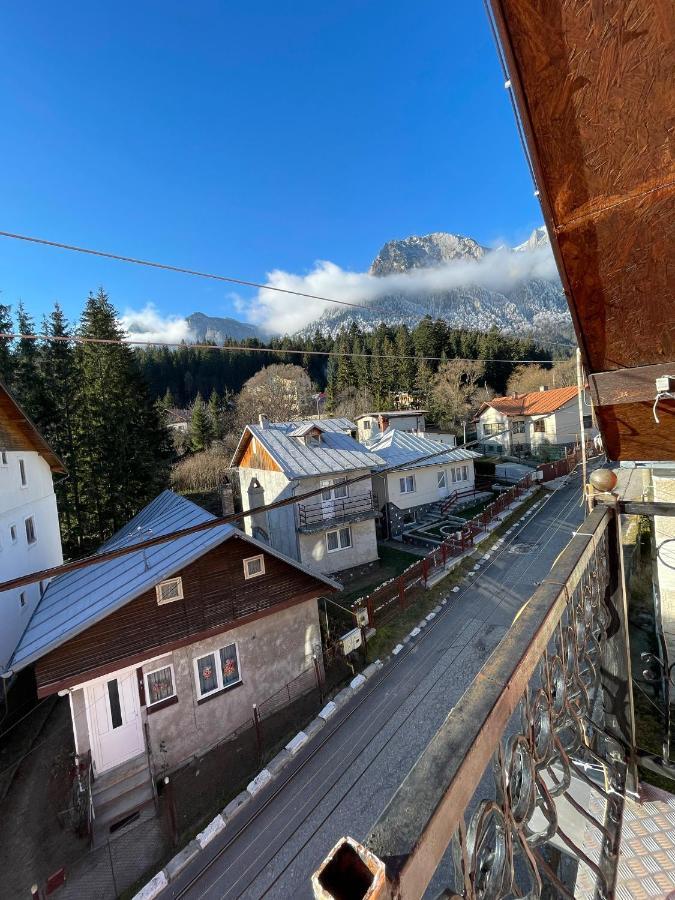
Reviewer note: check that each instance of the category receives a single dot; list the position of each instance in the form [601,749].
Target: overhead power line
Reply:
[217,522]
[233,348]
[181,269]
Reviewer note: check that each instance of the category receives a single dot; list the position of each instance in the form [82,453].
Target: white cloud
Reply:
[148,324]
[284,313]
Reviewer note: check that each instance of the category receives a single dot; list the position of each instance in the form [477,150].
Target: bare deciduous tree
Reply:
[456,391]
[525,379]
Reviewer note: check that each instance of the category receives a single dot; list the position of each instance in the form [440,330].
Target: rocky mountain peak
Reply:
[424,251]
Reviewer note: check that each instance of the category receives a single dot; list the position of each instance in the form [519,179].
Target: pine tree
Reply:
[123,447]
[201,434]
[216,415]
[6,359]
[27,383]
[167,401]
[61,398]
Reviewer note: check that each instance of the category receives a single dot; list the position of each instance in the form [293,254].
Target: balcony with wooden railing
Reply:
[522,791]
[327,513]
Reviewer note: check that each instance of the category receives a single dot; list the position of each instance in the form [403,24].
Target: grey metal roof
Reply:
[394,413]
[338,451]
[400,448]
[77,600]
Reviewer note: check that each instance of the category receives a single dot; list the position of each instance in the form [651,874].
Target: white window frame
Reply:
[404,481]
[148,701]
[367,425]
[4,459]
[13,535]
[537,426]
[219,674]
[465,473]
[442,479]
[248,575]
[330,485]
[519,426]
[340,546]
[161,601]
[30,519]
[453,475]
[23,477]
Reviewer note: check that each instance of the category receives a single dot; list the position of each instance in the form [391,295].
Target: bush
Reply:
[203,471]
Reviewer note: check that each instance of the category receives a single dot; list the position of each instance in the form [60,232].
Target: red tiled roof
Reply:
[536,403]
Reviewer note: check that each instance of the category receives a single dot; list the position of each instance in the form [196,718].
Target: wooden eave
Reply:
[593,83]
[18,432]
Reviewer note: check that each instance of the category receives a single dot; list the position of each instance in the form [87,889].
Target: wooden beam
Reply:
[634,385]
[636,507]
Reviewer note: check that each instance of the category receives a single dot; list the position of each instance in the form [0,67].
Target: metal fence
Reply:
[384,602]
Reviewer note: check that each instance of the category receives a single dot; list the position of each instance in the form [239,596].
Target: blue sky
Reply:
[243,138]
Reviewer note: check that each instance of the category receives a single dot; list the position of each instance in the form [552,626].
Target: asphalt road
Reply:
[342,780]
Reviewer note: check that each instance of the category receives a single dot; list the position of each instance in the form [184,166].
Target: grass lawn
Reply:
[392,563]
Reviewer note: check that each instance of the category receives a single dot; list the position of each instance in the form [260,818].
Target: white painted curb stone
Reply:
[153,888]
[432,615]
[357,682]
[298,741]
[397,649]
[329,710]
[455,590]
[414,632]
[212,829]
[259,782]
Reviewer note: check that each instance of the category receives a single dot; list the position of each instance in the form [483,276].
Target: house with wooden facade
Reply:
[163,650]
[442,477]
[524,423]
[331,532]
[30,539]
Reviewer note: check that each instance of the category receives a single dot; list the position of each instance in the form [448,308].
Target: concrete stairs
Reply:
[121,797]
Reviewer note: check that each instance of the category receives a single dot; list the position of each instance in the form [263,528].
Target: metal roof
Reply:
[398,448]
[77,600]
[337,452]
[394,413]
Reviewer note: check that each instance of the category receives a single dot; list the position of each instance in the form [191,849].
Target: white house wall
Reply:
[17,503]
[278,523]
[426,484]
[363,550]
[567,427]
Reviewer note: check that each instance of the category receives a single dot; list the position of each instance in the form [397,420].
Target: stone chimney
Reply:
[264,421]
[543,387]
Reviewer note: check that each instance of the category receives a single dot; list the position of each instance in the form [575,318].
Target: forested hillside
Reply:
[381,370]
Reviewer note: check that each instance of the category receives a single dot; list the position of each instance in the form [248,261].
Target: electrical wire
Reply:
[233,348]
[181,269]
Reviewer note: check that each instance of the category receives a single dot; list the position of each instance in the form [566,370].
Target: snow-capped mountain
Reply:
[533,305]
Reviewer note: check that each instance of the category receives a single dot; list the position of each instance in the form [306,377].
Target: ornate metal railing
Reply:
[521,791]
[342,509]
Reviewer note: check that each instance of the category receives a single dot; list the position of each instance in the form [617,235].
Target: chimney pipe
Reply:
[264,421]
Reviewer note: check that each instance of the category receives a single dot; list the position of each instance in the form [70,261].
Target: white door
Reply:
[114,715]
[332,491]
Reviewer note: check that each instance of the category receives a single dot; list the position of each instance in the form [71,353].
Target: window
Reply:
[442,480]
[22,473]
[453,472]
[115,708]
[407,484]
[3,458]
[334,490]
[518,427]
[12,533]
[254,566]
[338,540]
[366,425]
[217,670]
[22,599]
[169,590]
[540,426]
[465,473]
[491,428]
[159,685]
[31,537]
[588,421]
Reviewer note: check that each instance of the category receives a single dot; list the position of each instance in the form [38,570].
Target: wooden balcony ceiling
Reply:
[593,82]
